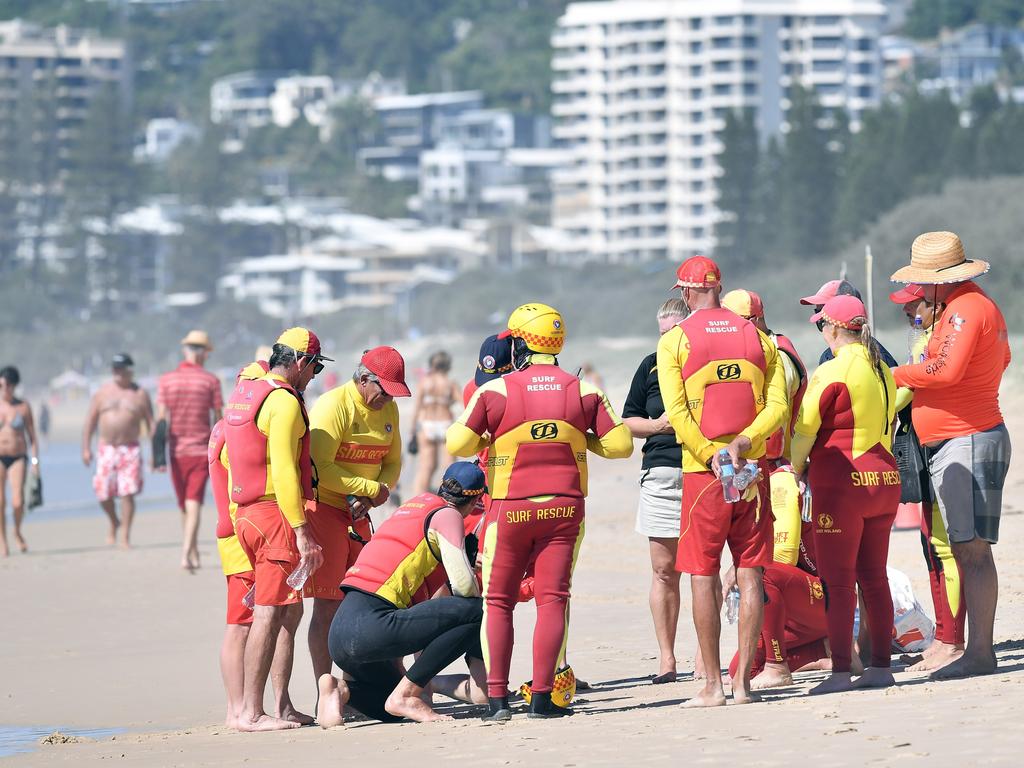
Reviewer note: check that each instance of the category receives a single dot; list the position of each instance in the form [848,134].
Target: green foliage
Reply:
[737,187]
[926,17]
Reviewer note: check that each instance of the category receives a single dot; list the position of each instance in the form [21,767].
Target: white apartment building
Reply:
[642,89]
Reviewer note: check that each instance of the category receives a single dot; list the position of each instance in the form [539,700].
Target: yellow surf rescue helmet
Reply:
[563,691]
[539,326]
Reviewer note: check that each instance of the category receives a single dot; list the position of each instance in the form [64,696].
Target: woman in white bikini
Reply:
[431,417]
[17,434]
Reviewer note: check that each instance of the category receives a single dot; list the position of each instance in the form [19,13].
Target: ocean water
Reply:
[67,484]
[16,739]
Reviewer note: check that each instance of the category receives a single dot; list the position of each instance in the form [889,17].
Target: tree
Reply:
[735,232]
[809,179]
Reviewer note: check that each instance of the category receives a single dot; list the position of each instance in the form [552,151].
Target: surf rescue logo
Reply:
[957,321]
[547,430]
[728,372]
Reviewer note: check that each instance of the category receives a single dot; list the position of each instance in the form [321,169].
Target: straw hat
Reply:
[197,339]
[937,258]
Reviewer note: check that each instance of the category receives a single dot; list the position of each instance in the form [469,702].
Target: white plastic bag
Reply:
[913,630]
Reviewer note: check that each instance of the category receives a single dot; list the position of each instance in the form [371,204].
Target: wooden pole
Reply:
[868,264]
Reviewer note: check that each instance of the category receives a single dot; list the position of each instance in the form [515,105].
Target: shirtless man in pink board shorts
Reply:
[119,409]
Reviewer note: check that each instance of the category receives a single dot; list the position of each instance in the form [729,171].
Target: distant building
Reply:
[407,126]
[48,78]
[243,99]
[974,56]
[641,93]
[298,96]
[163,136]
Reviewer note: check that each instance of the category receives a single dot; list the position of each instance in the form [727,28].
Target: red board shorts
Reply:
[269,542]
[709,522]
[239,585]
[118,471]
[329,526]
[189,475]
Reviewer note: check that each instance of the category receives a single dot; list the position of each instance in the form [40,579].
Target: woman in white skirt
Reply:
[661,492]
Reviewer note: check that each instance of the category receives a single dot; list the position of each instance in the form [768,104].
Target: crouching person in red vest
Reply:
[385,616]
[267,435]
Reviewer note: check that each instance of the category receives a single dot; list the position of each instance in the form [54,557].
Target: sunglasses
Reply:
[317,366]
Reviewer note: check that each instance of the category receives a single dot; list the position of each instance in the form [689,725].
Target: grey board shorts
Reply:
[661,502]
[967,481]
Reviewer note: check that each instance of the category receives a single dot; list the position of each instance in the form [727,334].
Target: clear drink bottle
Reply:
[732,604]
[917,341]
[727,474]
[297,578]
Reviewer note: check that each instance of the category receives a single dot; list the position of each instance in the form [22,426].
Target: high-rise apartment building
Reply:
[641,92]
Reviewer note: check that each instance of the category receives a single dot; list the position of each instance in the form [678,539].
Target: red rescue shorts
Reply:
[239,585]
[709,522]
[329,526]
[269,541]
[189,475]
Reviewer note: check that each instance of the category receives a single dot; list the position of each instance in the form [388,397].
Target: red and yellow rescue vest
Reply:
[540,444]
[776,446]
[724,372]
[219,481]
[247,446]
[398,559]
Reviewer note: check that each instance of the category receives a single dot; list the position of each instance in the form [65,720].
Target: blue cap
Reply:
[463,479]
[495,359]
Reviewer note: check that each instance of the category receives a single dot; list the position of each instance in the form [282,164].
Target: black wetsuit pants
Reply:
[369,634]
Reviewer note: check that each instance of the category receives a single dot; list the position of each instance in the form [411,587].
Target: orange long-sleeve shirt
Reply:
[956,388]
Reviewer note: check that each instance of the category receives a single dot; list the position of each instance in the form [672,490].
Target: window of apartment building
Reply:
[658,139]
[656,69]
[865,44]
[826,21]
[696,116]
[720,113]
[748,20]
[864,68]
[787,22]
[826,43]
[696,46]
[656,93]
[696,186]
[656,46]
[720,43]
[696,70]
[722,89]
[819,65]
[722,66]
[697,233]
[750,41]
[697,209]
[750,89]
[750,65]
[696,163]
[864,91]
[696,23]
[696,93]
[827,89]
[724,21]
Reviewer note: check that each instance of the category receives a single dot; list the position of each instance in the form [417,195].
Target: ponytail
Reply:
[874,352]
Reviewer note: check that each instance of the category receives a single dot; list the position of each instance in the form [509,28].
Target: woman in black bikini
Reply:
[17,433]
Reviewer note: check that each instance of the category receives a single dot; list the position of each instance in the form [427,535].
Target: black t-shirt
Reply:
[644,401]
[883,353]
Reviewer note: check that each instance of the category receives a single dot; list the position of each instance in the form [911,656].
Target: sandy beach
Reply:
[103,639]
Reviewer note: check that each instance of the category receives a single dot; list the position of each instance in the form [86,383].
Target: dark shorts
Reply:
[967,476]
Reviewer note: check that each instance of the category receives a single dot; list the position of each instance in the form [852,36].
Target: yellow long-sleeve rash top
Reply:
[355,449]
[698,450]
[280,419]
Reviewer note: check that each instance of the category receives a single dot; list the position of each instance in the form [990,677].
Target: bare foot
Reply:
[20,540]
[112,534]
[706,698]
[331,706]
[125,544]
[945,654]
[875,677]
[412,707]
[187,566]
[836,683]
[856,666]
[821,665]
[264,723]
[966,666]
[773,676]
[292,715]
[742,694]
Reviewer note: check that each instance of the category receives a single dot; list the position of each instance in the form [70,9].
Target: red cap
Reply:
[698,272]
[826,292]
[907,294]
[843,311]
[388,366]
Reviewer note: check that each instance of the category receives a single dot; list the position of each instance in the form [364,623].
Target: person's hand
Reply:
[729,581]
[381,497]
[309,550]
[35,467]
[359,508]
[86,456]
[662,426]
[739,445]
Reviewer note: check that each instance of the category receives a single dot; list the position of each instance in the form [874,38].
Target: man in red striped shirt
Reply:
[189,401]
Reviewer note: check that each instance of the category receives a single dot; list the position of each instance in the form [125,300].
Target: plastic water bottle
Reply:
[856,621]
[747,476]
[732,604]
[727,474]
[916,340]
[806,511]
[297,578]
[249,601]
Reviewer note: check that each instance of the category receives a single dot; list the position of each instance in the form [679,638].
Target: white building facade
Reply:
[641,91]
